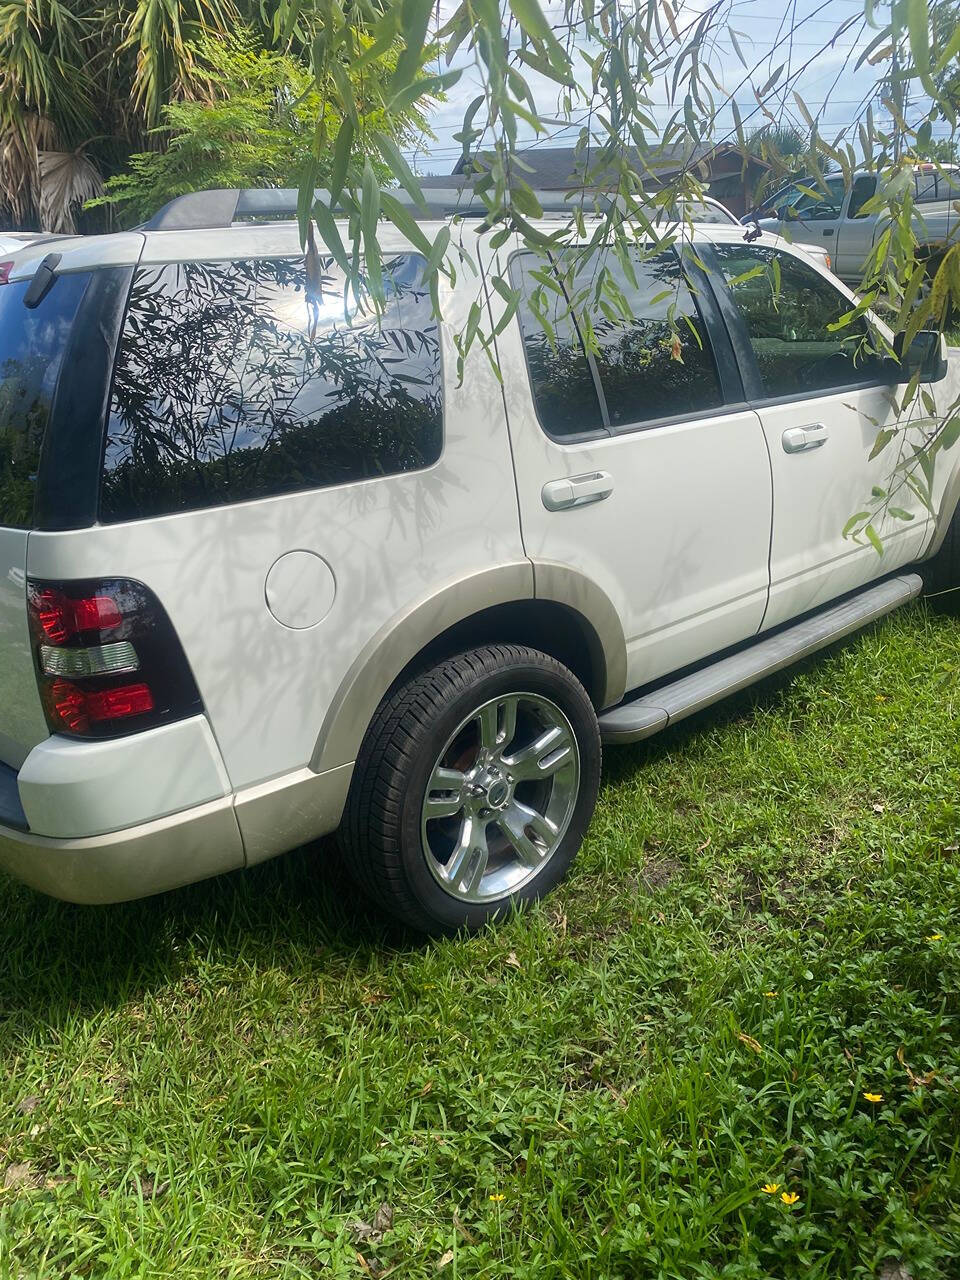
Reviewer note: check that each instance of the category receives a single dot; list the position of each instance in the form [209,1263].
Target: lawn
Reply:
[752,977]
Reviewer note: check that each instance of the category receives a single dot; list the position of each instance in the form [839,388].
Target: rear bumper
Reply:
[120,818]
[141,857]
[134,863]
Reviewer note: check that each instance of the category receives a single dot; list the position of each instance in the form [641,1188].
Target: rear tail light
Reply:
[63,618]
[90,660]
[108,660]
[77,709]
[5,269]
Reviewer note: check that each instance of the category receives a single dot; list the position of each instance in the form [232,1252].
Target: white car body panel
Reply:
[818,491]
[681,591]
[266,687]
[22,725]
[72,789]
[686,568]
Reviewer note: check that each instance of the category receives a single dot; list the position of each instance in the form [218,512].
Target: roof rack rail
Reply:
[199,210]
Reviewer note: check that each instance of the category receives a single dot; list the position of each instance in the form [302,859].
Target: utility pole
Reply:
[897,95]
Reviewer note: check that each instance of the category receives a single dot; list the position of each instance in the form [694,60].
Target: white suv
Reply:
[266,572]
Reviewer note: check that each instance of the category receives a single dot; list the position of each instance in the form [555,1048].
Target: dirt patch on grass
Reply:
[656,873]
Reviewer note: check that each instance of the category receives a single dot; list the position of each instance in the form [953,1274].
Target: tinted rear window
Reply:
[232,383]
[32,345]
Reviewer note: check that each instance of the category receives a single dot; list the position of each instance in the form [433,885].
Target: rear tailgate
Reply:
[35,335]
[22,723]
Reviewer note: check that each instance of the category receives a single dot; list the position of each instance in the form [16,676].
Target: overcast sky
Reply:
[829,85]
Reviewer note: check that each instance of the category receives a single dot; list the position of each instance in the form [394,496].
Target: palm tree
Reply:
[782,140]
[785,152]
[83,83]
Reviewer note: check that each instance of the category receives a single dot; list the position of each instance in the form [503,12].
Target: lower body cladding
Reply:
[107,821]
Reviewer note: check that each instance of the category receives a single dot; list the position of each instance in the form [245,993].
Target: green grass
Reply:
[221,1082]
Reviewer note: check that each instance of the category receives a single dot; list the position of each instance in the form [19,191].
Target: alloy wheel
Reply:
[500,797]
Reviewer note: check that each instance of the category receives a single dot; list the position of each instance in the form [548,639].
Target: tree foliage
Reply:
[86,78]
[602,67]
[257,128]
[84,83]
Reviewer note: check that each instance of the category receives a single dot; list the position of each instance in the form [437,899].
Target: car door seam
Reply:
[506,410]
[739,344]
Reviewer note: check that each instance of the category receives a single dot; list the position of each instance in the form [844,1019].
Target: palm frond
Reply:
[67,180]
[21,140]
[164,35]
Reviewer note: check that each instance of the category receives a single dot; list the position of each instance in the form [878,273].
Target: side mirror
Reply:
[927,354]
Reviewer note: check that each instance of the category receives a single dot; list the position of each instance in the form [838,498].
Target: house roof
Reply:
[556,168]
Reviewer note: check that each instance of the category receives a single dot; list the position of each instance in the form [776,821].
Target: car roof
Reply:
[281,238]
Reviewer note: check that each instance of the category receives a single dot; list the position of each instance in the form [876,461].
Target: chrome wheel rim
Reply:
[500,797]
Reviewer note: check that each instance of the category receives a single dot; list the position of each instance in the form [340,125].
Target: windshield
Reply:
[712,214]
[806,200]
[32,344]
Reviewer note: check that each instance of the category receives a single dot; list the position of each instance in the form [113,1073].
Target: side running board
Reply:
[652,712]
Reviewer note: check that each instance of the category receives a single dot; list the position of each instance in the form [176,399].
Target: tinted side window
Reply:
[32,345]
[864,189]
[655,364]
[788,309]
[233,381]
[925,186]
[563,387]
[649,367]
[808,201]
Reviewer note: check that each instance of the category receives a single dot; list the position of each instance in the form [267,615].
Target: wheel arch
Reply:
[549,607]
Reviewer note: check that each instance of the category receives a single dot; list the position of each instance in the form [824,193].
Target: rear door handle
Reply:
[576,491]
[799,439]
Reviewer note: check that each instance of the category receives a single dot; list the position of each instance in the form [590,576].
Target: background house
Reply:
[731,179]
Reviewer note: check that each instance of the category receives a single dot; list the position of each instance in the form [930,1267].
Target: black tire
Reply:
[941,575]
[380,835]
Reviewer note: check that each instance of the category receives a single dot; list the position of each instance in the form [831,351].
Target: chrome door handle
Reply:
[797,439]
[576,491]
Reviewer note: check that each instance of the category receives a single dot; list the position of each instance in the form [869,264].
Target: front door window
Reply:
[792,316]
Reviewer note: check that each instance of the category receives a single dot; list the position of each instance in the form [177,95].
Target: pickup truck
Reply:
[834,219]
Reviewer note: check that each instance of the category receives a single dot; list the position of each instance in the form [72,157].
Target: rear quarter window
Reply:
[233,383]
[32,346]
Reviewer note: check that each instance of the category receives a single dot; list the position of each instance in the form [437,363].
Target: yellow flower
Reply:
[497,1198]
[934,937]
[873,1097]
[789,1197]
[770,994]
[770,1188]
